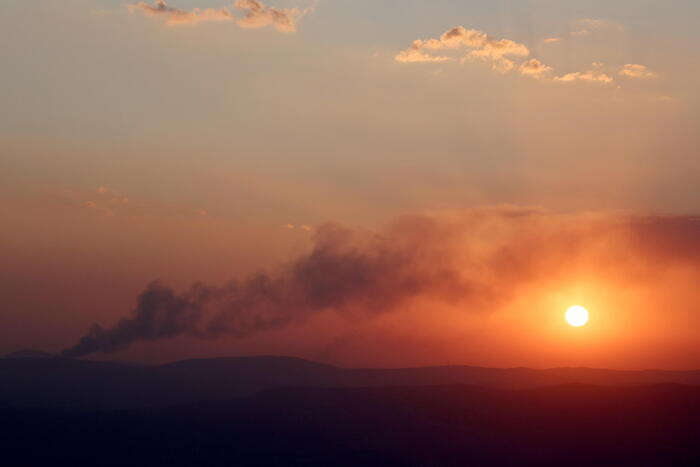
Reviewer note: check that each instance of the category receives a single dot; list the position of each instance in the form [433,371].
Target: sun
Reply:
[577,316]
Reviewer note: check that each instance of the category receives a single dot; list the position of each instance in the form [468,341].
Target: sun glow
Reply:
[577,316]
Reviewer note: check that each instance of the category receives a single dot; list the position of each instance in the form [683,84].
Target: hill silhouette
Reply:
[29,353]
[39,381]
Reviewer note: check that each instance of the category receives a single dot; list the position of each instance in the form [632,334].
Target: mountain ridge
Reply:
[67,382]
[39,354]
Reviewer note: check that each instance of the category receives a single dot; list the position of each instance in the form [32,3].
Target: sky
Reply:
[364,183]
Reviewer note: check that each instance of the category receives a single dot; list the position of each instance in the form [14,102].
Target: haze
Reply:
[421,182]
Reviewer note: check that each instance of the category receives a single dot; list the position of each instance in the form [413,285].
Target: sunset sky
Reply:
[420,181]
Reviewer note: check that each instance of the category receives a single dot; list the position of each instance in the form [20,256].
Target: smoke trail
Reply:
[475,259]
[341,273]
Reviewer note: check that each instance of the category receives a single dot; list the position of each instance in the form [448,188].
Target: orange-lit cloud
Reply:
[258,15]
[415,55]
[535,69]
[255,14]
[176,16]
[505,55]
[552,40]
[486,47]
[304,228]
[637,71]
[480,46]
[594,75]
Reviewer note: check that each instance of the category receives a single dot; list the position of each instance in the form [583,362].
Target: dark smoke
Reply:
[475,259]
[342,273]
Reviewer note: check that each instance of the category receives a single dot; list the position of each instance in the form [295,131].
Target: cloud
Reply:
[99,208]
[665,99]
[506,55]
[255,14]
[594,75]
[105,200]
[455,38]
[637,71]
[304,228]
[552,40]
[502,65]
[535,69]
[587,26]
[591,76]
[473,261]
[415,55]
[175,16]
[483,47]
[258,15]
[495,50]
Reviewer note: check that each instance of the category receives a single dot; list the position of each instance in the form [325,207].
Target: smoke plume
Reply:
[473,259]
[342,272]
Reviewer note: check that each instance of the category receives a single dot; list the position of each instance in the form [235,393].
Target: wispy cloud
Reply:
[587,26]
[255,14]
[105,201]
[176,16]
[632,70]
[303,227]
[591,76]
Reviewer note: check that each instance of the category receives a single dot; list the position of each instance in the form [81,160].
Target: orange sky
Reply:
[449,179]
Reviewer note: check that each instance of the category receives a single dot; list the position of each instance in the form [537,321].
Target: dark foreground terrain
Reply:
[274,411]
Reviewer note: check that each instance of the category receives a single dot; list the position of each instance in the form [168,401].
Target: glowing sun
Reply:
[577,316]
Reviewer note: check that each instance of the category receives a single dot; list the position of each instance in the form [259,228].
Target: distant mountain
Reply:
[29,353]
[37,381]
